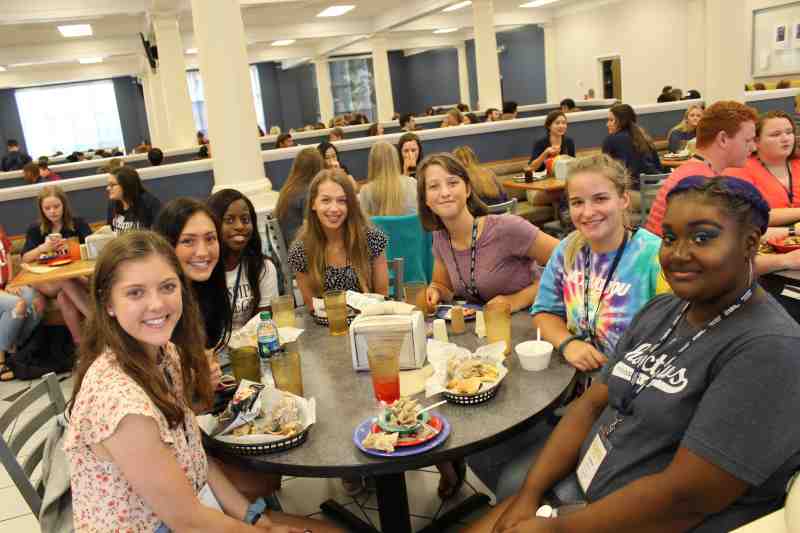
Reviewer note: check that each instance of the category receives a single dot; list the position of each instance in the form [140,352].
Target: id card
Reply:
[591,462]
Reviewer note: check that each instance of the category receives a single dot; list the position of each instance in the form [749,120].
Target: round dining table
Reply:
[344,399]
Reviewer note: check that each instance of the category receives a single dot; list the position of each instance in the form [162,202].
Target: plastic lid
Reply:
[266,315]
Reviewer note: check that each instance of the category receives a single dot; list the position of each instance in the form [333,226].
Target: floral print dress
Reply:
[102,498]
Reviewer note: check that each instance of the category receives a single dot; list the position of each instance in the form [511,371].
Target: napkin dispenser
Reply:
[412,354]
[97,241]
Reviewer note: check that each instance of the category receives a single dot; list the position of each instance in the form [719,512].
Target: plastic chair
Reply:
[504,208]
[649,186]
[21,473]
[408,240]
[277,246]
[396,274]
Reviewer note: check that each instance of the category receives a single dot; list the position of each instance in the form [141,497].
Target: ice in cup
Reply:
[286,369]
[336,309]
[498,323]
[245,363]
[383,353]
[283,311]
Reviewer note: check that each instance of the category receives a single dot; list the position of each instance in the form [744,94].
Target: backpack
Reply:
[49,349]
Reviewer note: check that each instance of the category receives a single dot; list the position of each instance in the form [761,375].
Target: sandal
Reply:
[6,374]
[446,490]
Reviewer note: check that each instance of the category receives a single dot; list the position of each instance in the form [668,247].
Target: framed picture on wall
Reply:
[780,39]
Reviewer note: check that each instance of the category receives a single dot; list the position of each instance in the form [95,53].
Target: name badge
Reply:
[591,462]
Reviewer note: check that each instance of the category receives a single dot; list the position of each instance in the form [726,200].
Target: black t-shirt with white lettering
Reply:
[731,398]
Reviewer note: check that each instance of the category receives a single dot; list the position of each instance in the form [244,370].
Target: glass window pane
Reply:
[353,87]
[79,116]
[197,95]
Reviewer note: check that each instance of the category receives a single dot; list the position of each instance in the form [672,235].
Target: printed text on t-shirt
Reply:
[666,377]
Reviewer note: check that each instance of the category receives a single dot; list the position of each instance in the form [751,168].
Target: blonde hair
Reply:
[482,179]
[608,168]
[355,227]
[683,125]
[384,180]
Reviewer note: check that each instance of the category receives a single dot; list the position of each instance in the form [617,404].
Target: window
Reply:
[196,94]
[353,87]
[66,118]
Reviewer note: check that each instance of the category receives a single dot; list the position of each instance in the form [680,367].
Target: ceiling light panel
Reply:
[457,6]
[336,11]
[283,42]
[445,30]
[2,68]
[75,30]
[538,3]
[90,60]
[191,51]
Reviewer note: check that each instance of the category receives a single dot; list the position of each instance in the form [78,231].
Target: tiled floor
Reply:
[300,496]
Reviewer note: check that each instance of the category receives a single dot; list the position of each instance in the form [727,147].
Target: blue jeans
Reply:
[16,330]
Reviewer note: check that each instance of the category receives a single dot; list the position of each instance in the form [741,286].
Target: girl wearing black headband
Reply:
[692,426]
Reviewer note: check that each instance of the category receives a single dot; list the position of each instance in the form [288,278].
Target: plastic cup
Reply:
[283,311]
[245,363]
[440,330]
[415,292]
[498,323]
[286,369]
[534,355]
[383,353]
[336,309]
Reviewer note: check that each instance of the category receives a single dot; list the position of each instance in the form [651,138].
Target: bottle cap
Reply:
[266,315]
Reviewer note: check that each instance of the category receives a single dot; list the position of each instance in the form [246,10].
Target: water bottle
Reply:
[268,344]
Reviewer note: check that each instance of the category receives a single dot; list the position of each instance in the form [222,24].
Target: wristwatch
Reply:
[255,511]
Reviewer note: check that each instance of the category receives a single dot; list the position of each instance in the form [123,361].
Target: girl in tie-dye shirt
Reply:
[621,264]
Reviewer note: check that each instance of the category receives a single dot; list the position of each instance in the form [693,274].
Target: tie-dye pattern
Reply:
[637,279]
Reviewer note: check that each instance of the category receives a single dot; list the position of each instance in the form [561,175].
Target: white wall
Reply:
[650,35]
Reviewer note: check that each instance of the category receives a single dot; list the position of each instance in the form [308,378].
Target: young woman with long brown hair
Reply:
[131,422]
[55,217]
[628,143]
[292,198]
[387,192]
[337,248]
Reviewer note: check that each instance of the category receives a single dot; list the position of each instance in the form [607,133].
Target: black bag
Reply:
[49,349]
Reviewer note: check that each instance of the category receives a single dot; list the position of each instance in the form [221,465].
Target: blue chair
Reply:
[408,240]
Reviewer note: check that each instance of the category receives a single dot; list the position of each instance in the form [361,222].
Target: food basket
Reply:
[260,444]
[785,245]
[440,354]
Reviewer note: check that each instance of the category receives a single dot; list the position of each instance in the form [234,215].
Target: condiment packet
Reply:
[244,407]
[440,353]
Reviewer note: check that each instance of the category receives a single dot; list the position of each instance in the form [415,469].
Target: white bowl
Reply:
[534,355]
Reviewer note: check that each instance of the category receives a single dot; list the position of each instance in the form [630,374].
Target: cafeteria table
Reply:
[553,187]
[672,163]
[784,285]
[344,399]
[76,269]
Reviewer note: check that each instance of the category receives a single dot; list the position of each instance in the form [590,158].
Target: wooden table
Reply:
[554,188]
[344,399]
[76,269]
[672,163]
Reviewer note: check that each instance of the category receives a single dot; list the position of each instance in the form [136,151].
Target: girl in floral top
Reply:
[136,458]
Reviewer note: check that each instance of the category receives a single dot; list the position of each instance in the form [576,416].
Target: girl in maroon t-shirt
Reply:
[20,309]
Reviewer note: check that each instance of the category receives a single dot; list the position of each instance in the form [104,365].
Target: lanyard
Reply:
[704,160]
[589,327]
[790,191]
[635,389]
[472,289]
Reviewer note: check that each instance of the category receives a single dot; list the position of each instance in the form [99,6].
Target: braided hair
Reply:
[738,197]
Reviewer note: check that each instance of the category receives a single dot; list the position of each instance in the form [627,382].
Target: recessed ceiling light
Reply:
[336,11]
[90,60]
[445,30]
[538,3]
[2,69]
[283,42]
[75,30]
[191,50]
[457,6]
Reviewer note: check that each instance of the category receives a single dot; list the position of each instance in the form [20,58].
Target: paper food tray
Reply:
[308,416]
[440,353]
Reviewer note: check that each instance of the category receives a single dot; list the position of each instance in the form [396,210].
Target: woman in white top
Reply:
[251,277]
[387,192]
